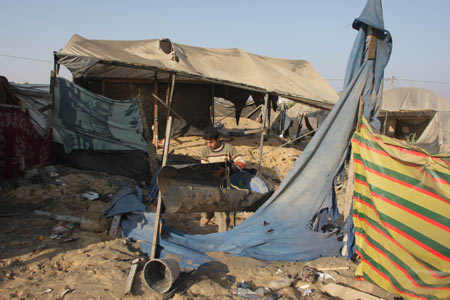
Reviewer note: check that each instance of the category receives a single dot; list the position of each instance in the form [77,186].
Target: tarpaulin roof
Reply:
[413,99]
[295,79]
[411,102]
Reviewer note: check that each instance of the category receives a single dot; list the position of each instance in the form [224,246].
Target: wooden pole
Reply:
[213,113]
[372,47]
[151,150]
[168,108]
[103,87]
[54,75]
[385,123]
[164,162]
[155,113]
[266,104]
[360,113]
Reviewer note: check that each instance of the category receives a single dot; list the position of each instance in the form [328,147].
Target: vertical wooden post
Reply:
[155,113]
[164,162]
[385,123]
[103,87]
[372,47]
[151,151]
[212,105]
[360,113]
[266,104]
[53,81]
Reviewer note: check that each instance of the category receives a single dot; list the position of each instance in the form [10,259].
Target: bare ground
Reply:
[91,265]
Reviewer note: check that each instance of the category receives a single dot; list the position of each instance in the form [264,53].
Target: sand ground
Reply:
[91,265]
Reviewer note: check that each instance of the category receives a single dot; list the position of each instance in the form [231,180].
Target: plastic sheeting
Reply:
[89,121]
[281,229]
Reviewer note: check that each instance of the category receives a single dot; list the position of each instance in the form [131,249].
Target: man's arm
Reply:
[237,159]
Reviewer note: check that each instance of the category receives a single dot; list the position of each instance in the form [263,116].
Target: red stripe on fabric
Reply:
[412,212]
[408,185]
[432,272]
[386,277]
[437,180]
[399,267]
[416,153]
[424,218]
[419,243]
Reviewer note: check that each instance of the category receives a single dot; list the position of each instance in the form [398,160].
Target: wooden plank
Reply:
[346,293]
[114,229]
[131,275]
[372,47]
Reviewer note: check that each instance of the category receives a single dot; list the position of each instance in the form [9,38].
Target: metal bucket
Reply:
[160,274]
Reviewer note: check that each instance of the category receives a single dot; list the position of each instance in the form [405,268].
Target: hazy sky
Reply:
[316,30]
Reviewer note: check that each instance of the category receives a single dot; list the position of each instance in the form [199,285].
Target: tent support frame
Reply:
[263,133]
[155,113]
[164,162]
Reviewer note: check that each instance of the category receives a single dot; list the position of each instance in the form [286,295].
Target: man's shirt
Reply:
[225,153]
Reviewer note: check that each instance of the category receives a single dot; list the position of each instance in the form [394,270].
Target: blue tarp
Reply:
[281,229]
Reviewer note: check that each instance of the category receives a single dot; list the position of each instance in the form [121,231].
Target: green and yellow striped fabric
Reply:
[401,215]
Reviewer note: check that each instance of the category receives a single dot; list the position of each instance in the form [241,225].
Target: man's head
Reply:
[212,139]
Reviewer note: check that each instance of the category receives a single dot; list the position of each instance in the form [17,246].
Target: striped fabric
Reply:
[401,215]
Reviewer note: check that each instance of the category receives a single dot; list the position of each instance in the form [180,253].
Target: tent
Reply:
[130,69]
[408,112]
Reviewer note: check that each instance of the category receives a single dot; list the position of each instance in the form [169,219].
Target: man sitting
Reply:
[216,150]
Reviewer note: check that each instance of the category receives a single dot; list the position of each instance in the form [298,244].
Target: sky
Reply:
[318,31]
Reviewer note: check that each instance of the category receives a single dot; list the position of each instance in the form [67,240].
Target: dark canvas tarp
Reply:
[295,79]
[281,229]
[85,120]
